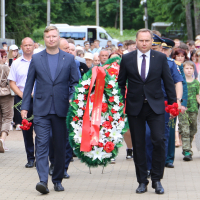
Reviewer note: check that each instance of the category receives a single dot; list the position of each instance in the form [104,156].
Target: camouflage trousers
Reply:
[187,128]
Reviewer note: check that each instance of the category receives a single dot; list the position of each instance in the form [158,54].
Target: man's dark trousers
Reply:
[149,145]
[28,135]
[42,127]
[137,126]
[68,153]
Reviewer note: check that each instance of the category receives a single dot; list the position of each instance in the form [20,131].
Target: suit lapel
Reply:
[61,60]
[45,64]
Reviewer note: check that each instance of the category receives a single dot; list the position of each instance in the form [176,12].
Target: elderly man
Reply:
[96,60]
[89,60]
[103,56]
[82,66]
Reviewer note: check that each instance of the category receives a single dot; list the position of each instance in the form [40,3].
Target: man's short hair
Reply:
[70,41]
[103,50]
[97,41]
[191,43]
[130,42]
[183,46]
[50,28]
[157,33]
[189,62]
[144,30]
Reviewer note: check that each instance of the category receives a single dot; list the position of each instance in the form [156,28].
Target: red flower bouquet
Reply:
[172,109]
[25,125]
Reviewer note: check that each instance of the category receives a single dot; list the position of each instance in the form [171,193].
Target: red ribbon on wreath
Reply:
[90,131]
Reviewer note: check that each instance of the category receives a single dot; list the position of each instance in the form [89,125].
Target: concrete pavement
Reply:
[117,182]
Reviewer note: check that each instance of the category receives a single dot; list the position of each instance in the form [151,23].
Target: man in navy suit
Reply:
[56,75]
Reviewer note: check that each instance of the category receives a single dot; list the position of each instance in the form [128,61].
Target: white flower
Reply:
[80,97]
[107,155]
[114,91]
[73,124]
[121,125]
[116,99]
[112,83]
[103,130]
[80,122]
[115,135]
[102,120]
[88,154]
[116,116]
[105,141]
[114,123]
[88,81]
[101,137]
[81,104]
[80,112]
[116,107]
[83,83]
[98,153]
[78,135]
[82,89]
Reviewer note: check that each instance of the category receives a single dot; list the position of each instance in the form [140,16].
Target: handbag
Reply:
[4,85]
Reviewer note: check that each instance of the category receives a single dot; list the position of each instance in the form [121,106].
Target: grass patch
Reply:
[127,34]
[114,33]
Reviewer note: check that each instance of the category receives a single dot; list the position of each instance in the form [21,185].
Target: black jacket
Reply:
[151,87]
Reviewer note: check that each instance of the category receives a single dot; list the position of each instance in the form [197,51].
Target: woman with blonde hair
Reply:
[13,53]
[197,63]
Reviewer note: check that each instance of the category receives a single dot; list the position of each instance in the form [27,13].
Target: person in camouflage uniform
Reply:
[189,128]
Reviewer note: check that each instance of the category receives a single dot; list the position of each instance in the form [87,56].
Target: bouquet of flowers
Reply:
[172,109]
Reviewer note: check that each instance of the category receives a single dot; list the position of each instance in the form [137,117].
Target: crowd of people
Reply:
[183,61]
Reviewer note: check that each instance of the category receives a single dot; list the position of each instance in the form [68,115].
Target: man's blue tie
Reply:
[143,67]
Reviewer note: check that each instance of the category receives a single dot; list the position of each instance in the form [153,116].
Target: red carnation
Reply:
[111,99]
[112,71]
[107,134]
[109,146]
[86,87]
[109,86]
[104,107]
[100,144]
[110,118]
[120,104]
[166,103]
[175,105]
[76,101]
[107,125]
[83,108]
[25,122]
[85,97]
[75,118]
[113,111]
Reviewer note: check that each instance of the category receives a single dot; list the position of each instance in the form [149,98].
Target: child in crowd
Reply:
[189,130]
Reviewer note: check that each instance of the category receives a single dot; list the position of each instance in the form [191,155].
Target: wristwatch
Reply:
[180,99]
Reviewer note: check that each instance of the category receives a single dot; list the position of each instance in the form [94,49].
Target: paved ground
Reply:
[117,182]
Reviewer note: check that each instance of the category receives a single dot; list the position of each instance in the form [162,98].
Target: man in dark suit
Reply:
[56,74]
[144,69]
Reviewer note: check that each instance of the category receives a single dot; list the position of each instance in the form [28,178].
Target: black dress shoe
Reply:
[169,165]
[148,174]
[142,188]
[58,187]
[66,175]
[42,188]
[158,187]
[30,164]
[51,168]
